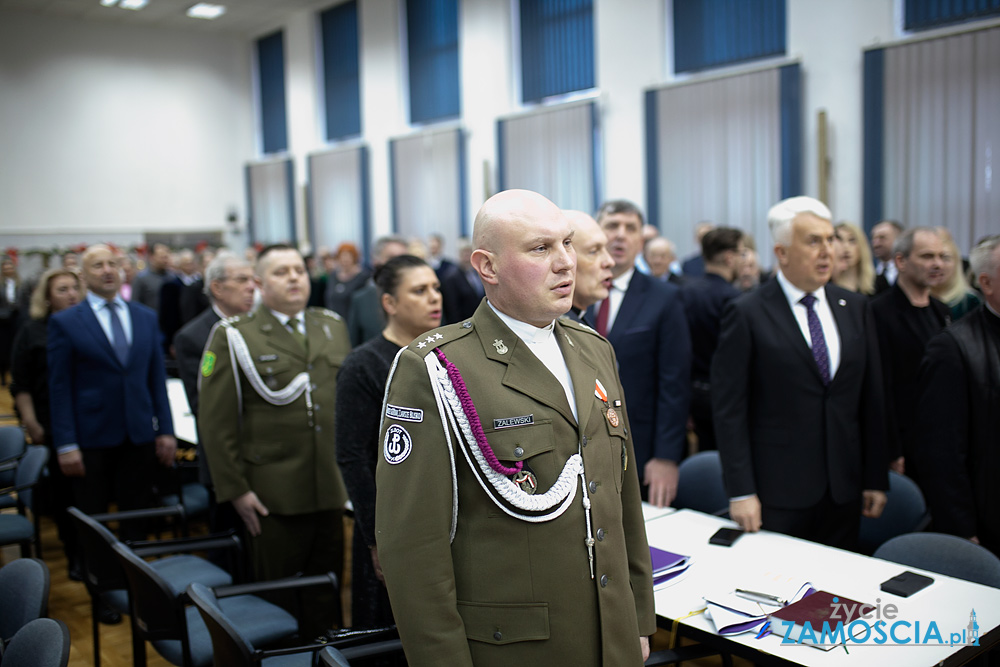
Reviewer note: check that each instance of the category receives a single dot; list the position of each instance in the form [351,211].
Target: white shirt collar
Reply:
[283,319]
[529,333]
[622,282]
[794,294]
[96,301]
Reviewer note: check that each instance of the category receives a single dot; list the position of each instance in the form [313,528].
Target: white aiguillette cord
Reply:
[553,503]
[239,352]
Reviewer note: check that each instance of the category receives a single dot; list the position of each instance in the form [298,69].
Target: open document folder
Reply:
[745,609]
[667,566]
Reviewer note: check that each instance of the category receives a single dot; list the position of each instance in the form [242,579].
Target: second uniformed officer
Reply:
[508,517]
[268,385]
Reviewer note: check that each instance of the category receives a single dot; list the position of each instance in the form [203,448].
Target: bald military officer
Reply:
[508,517]
[268,383]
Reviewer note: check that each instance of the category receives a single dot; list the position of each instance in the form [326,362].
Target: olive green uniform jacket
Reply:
[282,453]
[506,591]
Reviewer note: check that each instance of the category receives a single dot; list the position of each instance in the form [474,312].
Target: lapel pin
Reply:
[498,344]
[841,303]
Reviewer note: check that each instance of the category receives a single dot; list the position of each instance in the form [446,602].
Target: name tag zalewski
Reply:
[507,422]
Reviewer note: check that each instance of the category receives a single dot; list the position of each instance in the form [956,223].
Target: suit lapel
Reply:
[777,308]
[89,320]
[631,304]
[277,335]
[583,373]
[525,372]
[846,327]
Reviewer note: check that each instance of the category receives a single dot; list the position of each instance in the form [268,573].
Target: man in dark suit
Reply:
[884,236]
[797,393]
[705,300]
[906,317]
[110,414]
[958,414]
[365,318]
[694,265]
[461,288]
[644,320]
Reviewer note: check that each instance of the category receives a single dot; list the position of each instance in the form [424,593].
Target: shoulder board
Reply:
[441,336]
[325,311]
[570,323]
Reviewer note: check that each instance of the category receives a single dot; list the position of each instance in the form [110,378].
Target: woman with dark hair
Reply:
[410,295]
[57,290]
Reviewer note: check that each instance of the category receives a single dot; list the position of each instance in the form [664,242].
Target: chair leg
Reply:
[138,643]
[97,630]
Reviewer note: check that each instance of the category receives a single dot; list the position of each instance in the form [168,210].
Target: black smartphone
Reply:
[906,584]
[724,537]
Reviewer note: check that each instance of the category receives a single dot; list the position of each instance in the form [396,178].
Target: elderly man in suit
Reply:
[797,393]
[268,388]
[508,517]
[593,265]
[644,320]
[110,414]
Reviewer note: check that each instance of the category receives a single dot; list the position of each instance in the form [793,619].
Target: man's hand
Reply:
[644,644]
[377,565]
[166,447]
[661,476]
[36,431]
[898,465]
[872,503]
[746,512]
[71,463]
[248,506]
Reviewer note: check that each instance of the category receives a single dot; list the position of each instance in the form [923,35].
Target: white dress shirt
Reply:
[283,319]
[103,314]
[617,294]
[543,344]
[823,310]
[888,269]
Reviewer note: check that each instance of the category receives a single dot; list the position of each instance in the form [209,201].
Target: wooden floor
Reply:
[70,603]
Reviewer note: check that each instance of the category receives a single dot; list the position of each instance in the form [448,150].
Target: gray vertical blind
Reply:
[338,197]
[428,188]
[271,197]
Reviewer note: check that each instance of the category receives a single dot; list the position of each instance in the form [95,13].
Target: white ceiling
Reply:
[247,17]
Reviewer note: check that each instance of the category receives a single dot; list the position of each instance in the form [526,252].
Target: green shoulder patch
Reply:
[207,364]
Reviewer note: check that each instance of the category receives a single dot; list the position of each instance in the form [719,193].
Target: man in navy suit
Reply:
[644,320]
[797,393]
[110,415]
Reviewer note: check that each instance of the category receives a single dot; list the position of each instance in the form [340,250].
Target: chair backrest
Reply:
[29,470]
[12,445]
[700,486]
[229,645]
[156,610]
[947,554]
[905,512]
[43,642]
[101,569]
[24,589]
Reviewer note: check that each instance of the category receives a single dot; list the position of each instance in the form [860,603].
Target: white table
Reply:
[180,412]
[754,556]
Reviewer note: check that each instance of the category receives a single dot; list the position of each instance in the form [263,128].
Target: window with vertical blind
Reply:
[427,172]
[712,33]
[557,47]
[271,84]
[341,87]
[271,201]
[925,14]
[432,47]
[724,149]
[338,198]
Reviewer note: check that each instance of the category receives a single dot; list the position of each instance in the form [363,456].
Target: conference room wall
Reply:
[111,130]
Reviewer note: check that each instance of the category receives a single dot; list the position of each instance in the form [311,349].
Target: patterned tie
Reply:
[293,327]
[602,316]
[820,353]
[118,340]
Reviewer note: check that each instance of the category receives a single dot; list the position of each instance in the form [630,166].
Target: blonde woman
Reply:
[859,273]
[954,290]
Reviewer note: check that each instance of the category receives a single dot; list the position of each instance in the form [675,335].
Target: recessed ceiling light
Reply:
[109,3]
[133,4]
[204,10]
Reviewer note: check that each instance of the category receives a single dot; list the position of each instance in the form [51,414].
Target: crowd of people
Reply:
[317,379]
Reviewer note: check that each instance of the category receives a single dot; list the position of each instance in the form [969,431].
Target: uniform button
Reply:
[497,635]
[312,386]
[309,367]
[310,424]
[584,441]
[600,534]
[604,580]
[593,487]
[269,370]
[316,406]
[319,428]
[518,452]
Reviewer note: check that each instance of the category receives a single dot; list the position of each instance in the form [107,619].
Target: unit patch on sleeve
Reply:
[207,364]
[397,445]
[404,414]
